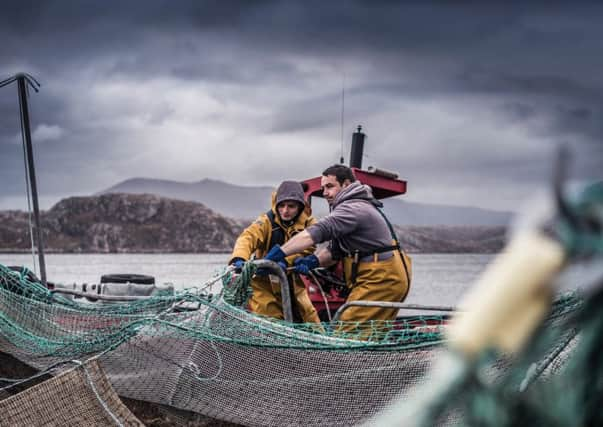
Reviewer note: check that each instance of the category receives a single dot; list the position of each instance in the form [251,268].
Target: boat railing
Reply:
[93,297]
[385,304]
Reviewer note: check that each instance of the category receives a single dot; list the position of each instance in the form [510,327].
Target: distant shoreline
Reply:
[139,224]
[20,252]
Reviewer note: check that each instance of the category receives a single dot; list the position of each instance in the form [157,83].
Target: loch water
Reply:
[438,279]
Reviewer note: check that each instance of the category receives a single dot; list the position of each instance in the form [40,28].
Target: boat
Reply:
[188,357]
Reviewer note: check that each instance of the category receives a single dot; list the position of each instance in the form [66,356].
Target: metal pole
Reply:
[386,304]
[32,172]
[285,293]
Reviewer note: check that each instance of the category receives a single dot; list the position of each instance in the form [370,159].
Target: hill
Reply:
[116,223]
[452,239]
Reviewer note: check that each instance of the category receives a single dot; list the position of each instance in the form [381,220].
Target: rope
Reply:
[27,192]
[322,293]
[194,368]
[96,394]
[536,369]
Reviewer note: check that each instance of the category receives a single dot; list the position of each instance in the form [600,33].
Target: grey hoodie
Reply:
[353,224]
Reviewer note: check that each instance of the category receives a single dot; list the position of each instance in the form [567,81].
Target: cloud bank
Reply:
[466,102]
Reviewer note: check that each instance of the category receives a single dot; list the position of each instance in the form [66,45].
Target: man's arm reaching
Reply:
[298,243]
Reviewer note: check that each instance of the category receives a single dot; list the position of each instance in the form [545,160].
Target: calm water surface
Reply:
[438,279]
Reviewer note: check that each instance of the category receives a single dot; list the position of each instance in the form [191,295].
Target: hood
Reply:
[356,191]
[290,190]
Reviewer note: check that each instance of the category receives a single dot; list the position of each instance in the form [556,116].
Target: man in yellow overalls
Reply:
[375,268]
[287,217]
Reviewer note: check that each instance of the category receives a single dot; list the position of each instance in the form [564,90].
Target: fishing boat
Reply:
[192,358]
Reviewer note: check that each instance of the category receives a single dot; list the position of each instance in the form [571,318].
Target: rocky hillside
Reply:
[116,223]
[450,239]
[128,223]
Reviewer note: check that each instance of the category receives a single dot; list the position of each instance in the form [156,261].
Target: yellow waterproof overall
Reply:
[266,299]
[376,281]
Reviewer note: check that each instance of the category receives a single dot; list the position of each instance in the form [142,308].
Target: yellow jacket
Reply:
[256,237]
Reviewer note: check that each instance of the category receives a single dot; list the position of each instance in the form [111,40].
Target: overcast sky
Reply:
[467,103]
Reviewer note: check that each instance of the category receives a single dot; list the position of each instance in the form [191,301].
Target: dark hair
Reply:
[341,173]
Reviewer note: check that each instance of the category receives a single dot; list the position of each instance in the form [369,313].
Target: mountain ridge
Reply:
[247,202]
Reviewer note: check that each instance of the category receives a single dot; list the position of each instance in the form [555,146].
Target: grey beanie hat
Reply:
[290,190]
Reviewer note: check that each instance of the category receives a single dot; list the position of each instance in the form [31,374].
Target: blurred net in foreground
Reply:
[554,370]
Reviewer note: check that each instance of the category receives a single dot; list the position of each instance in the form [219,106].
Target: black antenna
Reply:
[22,79]
[341,160]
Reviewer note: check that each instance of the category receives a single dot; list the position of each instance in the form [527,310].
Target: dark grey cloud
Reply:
[460,98]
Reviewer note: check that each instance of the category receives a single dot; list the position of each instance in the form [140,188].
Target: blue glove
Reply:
[305,264]
[275,254]
[238,264]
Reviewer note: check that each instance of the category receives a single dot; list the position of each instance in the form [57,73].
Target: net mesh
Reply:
[80,396]
[197,353]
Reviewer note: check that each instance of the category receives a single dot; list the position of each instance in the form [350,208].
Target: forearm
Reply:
[298,243]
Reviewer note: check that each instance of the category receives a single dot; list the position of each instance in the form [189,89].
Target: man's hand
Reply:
[305,264]
[275,254]
[238,264]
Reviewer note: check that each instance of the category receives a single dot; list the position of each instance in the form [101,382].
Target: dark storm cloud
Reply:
[116,74]
[324,28]
[9,115]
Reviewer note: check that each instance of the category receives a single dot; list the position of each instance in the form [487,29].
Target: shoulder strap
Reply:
[397,243]
[389,225]
[277,236]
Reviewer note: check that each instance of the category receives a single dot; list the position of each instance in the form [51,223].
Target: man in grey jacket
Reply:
[360,235]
